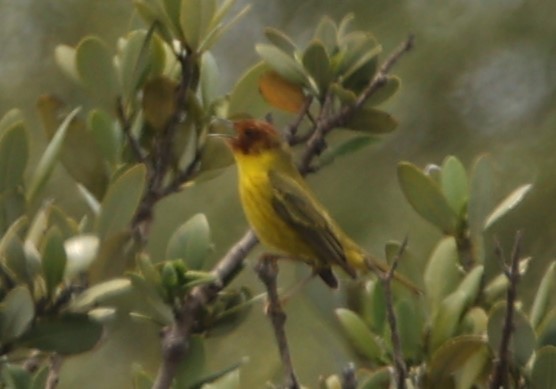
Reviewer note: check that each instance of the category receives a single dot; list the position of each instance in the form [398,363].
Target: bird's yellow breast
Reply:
[256,195]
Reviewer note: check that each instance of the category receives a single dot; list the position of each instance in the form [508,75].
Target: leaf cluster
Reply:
[451,335]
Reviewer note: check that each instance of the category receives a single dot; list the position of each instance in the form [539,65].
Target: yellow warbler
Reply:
[283,211]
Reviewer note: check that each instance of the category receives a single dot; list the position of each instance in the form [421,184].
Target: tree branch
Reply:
[267,270]
[54,372]
[399,362]
[499,378]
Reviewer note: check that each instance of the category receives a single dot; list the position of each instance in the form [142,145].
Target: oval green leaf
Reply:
[441,273]
[451,357]
[280,40]
[95,67]
[542,297]
[360,336]
[447,319]
[191,242]
[543,373]
[282,63]
[507,205]
[371,121]
[81,250]
[106,135]
[385,92]
[65,334]
[454,184]
[14,154]
[317,63]
[49,157]
[17,310]
[121,201]
[426,198]
[65,59]
[53,259]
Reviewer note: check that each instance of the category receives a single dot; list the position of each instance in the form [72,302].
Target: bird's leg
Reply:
[296,288]
[267,270]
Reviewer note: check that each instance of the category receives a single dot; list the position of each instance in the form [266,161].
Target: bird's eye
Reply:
[250,132]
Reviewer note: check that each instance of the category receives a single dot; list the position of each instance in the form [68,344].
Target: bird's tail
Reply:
[381,269]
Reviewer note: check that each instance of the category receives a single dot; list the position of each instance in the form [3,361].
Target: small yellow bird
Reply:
[283,211]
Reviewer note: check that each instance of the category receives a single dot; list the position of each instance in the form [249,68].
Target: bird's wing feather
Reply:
[298,211]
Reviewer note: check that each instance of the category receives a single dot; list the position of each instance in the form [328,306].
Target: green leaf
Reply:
[347,147]
[153,14]
[215,155]
[172,10]
[523,340]
[65,334]
[152,305]
[141,53]
[81,250]
[10,119]
[345,96]
[80,155]
[410,328]
[481,199]
[545,290]
[15,376]
[360,336]
[40,377]
[373,306]
[447,318]
[217,29]
[475,370]
[546,330]
[507,205]
[280,40]
[65,59]
[195,20]
[452,357]
[471,284]
[49,157]
[105,294]
[317,63]
[121,201]
[475,321]
[426,198]
[441,273]
[159,101]
[454,184]
[12,207]
[106,135]
[191,242]
[17,310]
[363,65]
[543,374]
[282,63]
[53,260]
[116,254]
[245,97]
[14,154]
[385,92]
[95,67]
[327,33]
[209,78]
[371,121]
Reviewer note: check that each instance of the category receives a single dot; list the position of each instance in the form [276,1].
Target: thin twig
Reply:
[126,123]
[32,363]
[291,131]
[499,378]
[267,270]
[54,372]
[399,362]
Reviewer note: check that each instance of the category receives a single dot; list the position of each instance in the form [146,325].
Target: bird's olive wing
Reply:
[296,208]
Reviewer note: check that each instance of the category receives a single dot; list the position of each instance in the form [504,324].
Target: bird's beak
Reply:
[222,128]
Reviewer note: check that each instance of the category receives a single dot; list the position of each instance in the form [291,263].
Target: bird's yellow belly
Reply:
[256,195]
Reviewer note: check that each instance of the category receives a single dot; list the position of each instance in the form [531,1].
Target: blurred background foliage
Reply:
[482,79]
